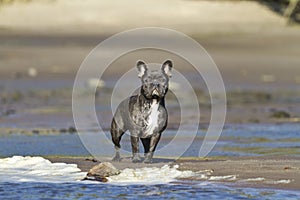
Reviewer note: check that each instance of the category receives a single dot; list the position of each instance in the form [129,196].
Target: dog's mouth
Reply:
[155,94]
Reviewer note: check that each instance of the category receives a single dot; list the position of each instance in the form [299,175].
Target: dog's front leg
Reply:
[135,149]
[153,143]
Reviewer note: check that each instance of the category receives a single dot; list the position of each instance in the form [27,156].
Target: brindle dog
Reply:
[143,115]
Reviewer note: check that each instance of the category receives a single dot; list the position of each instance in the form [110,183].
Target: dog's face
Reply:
[154,83]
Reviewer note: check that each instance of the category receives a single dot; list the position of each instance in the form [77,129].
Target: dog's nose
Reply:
[156,85]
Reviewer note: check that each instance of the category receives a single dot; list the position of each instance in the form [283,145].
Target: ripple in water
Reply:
[33,190]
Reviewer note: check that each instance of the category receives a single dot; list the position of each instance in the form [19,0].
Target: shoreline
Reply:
[278,172]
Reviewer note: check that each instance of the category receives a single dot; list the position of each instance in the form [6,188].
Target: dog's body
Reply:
[143,115]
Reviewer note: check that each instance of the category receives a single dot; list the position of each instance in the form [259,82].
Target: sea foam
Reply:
[38,169]
[150,175]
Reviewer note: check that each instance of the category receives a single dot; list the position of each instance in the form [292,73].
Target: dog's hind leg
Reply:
[116,135]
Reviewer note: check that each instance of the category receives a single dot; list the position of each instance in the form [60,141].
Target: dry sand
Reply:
[102,17]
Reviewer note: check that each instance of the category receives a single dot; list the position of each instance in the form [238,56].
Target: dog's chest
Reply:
[152,119]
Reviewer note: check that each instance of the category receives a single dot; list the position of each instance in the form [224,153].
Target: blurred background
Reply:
[255,44]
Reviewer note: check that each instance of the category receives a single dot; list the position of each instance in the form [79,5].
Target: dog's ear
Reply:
[142,68]
[167,68]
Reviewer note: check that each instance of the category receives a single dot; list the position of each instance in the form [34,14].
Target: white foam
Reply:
[150,175]
[37,169]
[254,179]
[280,181]
[223,178]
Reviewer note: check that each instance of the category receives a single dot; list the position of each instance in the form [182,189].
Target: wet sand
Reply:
[258,60]
[245,61]
[266,171]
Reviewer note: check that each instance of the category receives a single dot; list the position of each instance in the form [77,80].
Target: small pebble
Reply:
[32,72]
[72,129]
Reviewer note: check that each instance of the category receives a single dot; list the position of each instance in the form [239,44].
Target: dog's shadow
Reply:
[163,160]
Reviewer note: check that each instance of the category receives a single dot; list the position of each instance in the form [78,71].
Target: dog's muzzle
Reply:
[155,93]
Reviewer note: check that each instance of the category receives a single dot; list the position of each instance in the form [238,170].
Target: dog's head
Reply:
[155,84]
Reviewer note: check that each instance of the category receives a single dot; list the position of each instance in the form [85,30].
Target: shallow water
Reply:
[236,140]
[161,191]
[38,178]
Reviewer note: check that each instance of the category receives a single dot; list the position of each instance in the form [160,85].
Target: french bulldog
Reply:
[144,115]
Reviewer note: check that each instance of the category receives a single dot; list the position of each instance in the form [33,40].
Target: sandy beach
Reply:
[245,61]
[265,171]
[100,16]
[257,56]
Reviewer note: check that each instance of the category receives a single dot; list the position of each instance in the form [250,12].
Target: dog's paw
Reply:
[117,159]
[136,158]
[148,158]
